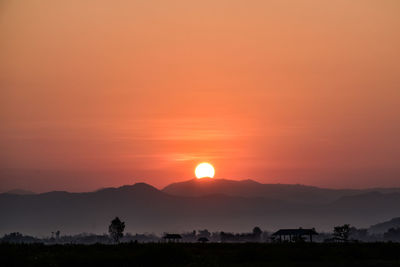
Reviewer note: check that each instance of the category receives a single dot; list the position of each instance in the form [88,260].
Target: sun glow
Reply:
[204,170]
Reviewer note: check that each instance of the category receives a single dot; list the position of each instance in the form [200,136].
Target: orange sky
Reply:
[104,93]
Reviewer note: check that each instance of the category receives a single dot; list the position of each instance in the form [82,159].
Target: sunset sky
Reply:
[106,93]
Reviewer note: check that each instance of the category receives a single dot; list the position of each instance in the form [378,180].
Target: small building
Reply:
[294,235]
[172,237]
[203,240]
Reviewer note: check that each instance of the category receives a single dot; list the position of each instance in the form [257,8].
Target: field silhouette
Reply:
[182,254]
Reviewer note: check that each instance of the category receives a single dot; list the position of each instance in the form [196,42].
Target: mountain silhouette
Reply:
[250,188]
[19,192]
[146,209]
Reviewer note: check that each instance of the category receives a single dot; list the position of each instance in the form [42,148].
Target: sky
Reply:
[106,93]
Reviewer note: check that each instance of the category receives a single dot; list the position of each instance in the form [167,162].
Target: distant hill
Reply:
[383,227]
[19,192]
[250,188]
[147,209]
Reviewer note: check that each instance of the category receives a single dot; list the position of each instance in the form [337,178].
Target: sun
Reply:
[204,170]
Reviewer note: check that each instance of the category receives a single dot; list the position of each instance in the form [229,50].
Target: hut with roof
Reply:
[294,235]
[172,237]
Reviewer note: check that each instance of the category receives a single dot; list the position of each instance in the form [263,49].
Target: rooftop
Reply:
[299,231]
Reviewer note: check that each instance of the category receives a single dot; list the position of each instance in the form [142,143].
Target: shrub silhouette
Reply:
[393,234]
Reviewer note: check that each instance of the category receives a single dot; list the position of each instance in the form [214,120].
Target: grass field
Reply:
[187,254]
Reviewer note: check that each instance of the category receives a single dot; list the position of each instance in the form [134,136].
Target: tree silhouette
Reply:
[204,233]
[342,232]
[257,233]
[116,229]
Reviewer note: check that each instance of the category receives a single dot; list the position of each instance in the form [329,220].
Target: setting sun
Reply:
[204,170]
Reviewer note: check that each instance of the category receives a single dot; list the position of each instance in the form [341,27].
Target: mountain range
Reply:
[213,204]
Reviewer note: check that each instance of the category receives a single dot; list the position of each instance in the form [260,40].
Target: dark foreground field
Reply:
[373,254]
